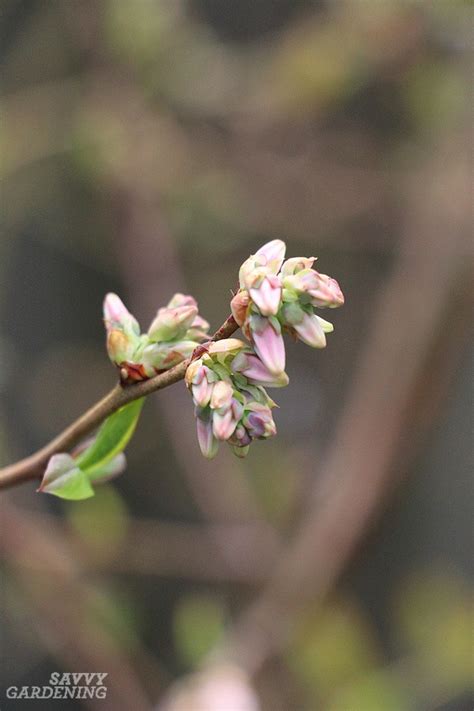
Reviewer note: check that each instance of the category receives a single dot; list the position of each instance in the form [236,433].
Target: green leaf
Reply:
[63,478]
[111,439]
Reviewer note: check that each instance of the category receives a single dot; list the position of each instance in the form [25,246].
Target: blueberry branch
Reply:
[32,467]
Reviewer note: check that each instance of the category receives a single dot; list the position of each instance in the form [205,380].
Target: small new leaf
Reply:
[65,479]
[111,439]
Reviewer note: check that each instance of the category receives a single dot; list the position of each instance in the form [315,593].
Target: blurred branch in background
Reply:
[163,549]
[69,614]
[431,272]
[363,463]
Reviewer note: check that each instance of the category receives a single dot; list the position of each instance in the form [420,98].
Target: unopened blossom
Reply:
[172,337]
[305,325]
[123,330]
[266,337]
[278,296]
[265,293]
[229,406]
[256,372]
[207,441]
[172,321]
[321,290]
[258,421]
[268,259]
[202,380]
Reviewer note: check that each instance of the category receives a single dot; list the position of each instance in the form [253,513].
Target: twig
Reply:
[32,467]
[163,549]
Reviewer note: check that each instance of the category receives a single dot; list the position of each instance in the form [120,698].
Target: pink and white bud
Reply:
[259,422]
[322,290]
[268,343]
[328,293]
[223,423]
[193,373]
[267,295]
[296,264]
[202,392]
[120,346]
[221,395]
[201,380]
[181,300]
[239,306]
[171,323]
[268,259]
[273,254]
[257,372]
[207,442]
[311,331]
[117,316]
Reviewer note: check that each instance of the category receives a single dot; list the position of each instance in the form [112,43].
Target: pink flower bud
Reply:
[221,395]
[259,421]
[120,346]
[207,442]
[268,259]
[273,253]
[311,331]
[117,316]
[192,373]
[268,343]
[267,295]
[322,289]
[203,386]
[181,300]
[223,423]
[202,393]
[257,372]
[171,323]
[329,292]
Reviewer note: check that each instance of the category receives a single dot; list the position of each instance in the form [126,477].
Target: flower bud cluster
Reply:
[227,383]
[173,335]
[231,403]
[277,296]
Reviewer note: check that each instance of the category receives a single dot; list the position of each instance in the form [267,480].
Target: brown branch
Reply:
[32,467]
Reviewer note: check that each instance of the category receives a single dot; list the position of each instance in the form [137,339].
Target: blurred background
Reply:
[147,147]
